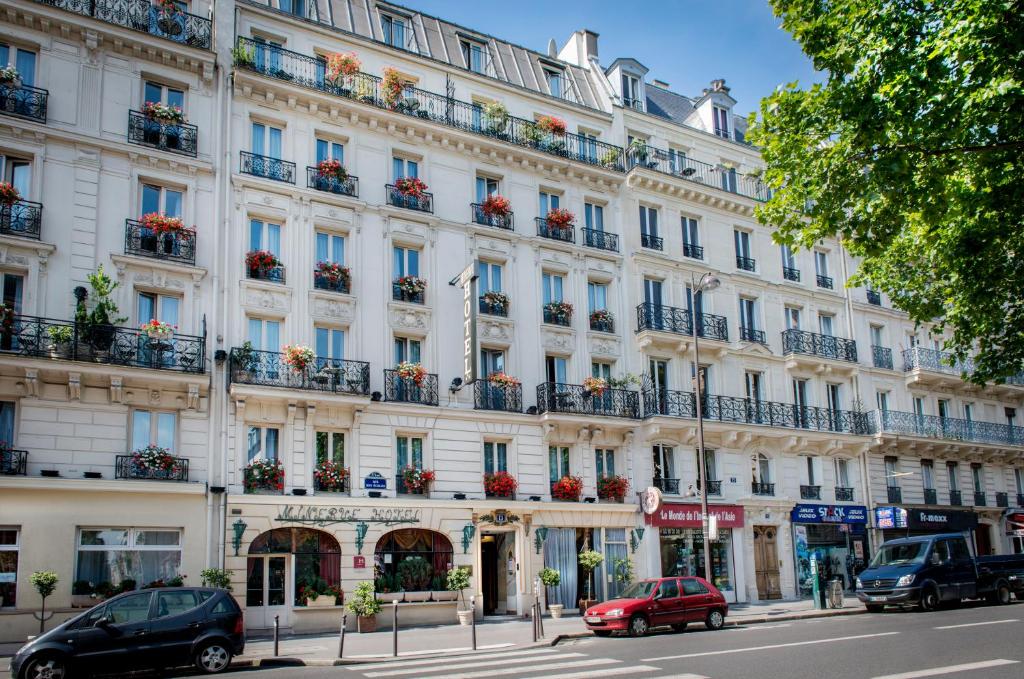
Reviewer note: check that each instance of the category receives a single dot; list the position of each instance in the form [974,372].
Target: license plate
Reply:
[592,618]
[876,598]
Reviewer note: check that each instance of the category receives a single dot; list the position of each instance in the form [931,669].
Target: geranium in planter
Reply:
[559,309]
[391,87]
[158,331]
[560,218]
[601,316]
[341,67]
[330,476]
[612,487]
[416,481]
[9,194]
[260,262]
[332,170]
[500,484]
[332,274]
[411,285]
[498,301]
[297,356]
[160,223]
[551,125]
[496,206]
[163,113]
[595,386]
[411,371]
[568,488]
[9,76]
[411,187]
[503,380]
[154,460]
[264,475]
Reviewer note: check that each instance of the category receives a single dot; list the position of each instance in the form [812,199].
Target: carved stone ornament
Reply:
[494,330]
[557,340]
[332,307]
[410,319]
[605,346]
[275,300]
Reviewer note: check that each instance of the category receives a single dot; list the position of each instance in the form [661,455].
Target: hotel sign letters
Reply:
[467,279]
[324,516]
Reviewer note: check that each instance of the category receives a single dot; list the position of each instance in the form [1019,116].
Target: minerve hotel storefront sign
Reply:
[325,516]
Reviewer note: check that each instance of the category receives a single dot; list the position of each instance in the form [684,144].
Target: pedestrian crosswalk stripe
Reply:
[950,669]
[676,676]
[618,672]
[454,664]
[406,662]
[588,663]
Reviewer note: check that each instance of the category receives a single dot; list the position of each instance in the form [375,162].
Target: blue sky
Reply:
[686,43]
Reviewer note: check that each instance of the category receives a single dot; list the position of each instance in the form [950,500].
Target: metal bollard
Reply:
[472,623]
[394,627]
[277,630]
[341,637]
[533,616]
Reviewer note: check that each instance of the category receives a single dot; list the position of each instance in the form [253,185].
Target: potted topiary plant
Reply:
[414,573]
[552,578]
[458,581]
[44,582]
[365,607]
[589,560]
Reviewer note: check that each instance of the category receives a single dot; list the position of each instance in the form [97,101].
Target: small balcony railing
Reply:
[759,488]
[714,486]
[825,282]
[652,242]
[267,167]
[127,467]
[881,357]
[506,222]
[955,498]
[813,344]
[24,102]
[423,202]
[979,499]
[321,282]
[343,487]
[602,324]
[874,297]
[21,218]
[931,497]
[932,360]
[1002,500]
[693,251]
[663,318]
[146,17]
[268,369]
[602,240]
[557,318]
[573,399]
[746,263]
[400,295]
[13,462]
[678,165]
[894,494]
[948,428]
[667,486]
[562,233]
[405,390]
[487,396]
[791,274]
[753,335]
[492,309]
[810,492]
[180,138]
[401,489]
[844,494]
[349,187]
[273,274]
[174,246]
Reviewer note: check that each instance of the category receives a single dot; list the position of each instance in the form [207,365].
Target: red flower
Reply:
[612,487]
[496,206]
[500,484]
[568,488]
[8,194]
[560,218]
[261,260]
[551,124]
[412,187]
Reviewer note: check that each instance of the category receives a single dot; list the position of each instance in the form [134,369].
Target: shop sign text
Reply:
[324,516]
[689,516]
[829,514]
[358,562]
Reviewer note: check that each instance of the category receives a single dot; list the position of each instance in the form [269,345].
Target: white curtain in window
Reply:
[560,554]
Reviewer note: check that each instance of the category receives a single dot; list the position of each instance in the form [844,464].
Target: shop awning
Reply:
[689,516]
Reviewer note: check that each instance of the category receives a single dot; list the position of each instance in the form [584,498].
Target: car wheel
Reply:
[46,667]
[637,626]
[679,627]
[213,657]
[874,608]
[1002,596]
[929,599]
[602,632]
[715,620]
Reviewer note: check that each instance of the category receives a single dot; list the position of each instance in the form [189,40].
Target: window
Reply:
[788,258]
[833,393]
[677,161]
[668,589]
[490,276]
[150,306]
[604,462]
[556,82]
[263,443]
[728,178]
[558,462]
[296,7]
[495,457]
[601,370]
[330,447]
[892,479]
[9,566]
[265,335]
[762,469]
[691,236]
[710,466]
[882,399]
[969,412]
[406,261]
[555,369]
[821,263]
[659,376]
[492,361]
[160,199]
[748,315]
[978,476]
[485,186]
[597,296]
[154,427]
[918,406]
[475,56]
[720,116]
[329,150]
[876,336]
[175,602]
[754,385]
[1010,413]
[267,48]
[394,29]
[330,247]
[742,241]
[825,324]
[265,236]
[811,477]
[649,221]
[943,408]
[631,92]
[17,172]
[652,291]
[593,216]
[266,140]
[1018,477]
[407,349]
[403,167]
[552,285]
[412,543]
[329,344]
[928,474]
[792,318]
[547,202]
[163,94]
[409,452]
[842,472]
[24,61]
[141,554]
[588,144]
[953,473]
[664,463]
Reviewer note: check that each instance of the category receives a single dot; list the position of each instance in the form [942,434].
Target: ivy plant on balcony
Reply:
[97,325]
[500,484]
[264,475]
[612,487]
[330,475]
[417,480]
[568,488]
[610,158]
[154,458]
[9,194]
[496,300]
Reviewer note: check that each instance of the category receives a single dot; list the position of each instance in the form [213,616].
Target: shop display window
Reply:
[413,560]
[112,555]
[682,554]
[8,567]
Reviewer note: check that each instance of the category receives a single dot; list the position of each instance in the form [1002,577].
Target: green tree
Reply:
[910,151]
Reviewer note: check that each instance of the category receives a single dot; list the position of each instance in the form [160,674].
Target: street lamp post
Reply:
[707,283]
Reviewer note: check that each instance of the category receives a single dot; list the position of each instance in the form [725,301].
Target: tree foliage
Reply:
[912,152]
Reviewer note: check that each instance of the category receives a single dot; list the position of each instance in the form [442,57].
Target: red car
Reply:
[655,603]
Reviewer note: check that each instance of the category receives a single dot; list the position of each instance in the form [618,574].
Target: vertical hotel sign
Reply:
[468,280]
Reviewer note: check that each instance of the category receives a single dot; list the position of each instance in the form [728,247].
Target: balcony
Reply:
[955,498]
[144,16]
[894,494]
[488,396]
[667,486]
[406,390]
[844,494]
[400,294]
[13,462]
[173,246]
[746,263]
[1002,500]
[322,281]
[693,251]
[602,323]
[349,187]
[268,369]
[557,317]
[714,486]
[423,202]
[573,399]
[562,233]
[126,467]
[791,274]
[24,102]
[813,344]
[272,274]
[881,357]
[678,165]
[505,222]
[946,428]
[766,489]
[810,492]
[36,337]
[401,489]
[825,282]
[344,487]
[979,499]
[752,335]
[652,242]
[601,240]
[304,71]
[930,496]
[669,403]
[874,298]
[933,367]
[21,218]
[174,137]
[493,306]
[267,167]
[680,321]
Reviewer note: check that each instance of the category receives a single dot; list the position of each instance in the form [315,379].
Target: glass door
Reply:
[266,592]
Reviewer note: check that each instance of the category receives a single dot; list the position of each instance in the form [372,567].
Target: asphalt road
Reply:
[976,642]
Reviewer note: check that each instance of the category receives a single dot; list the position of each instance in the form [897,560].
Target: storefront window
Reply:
[8,567]
[317,565]
[111,555]
[833,549]
[682,554]
[412,559]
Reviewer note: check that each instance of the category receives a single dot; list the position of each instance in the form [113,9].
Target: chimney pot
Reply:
[660,83]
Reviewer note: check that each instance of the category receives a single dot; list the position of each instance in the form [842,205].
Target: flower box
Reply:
[322,601]
[500,484]
[567,488]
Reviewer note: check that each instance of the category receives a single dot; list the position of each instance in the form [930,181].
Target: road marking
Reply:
[436,661]
[433,651]
[486,661]
[949,669]
[617,672]
[587,662]
[744,628]
[768,647]
[975,624]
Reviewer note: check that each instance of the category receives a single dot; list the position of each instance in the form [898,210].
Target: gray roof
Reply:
[668,105]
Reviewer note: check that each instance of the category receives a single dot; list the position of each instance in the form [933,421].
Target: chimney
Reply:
[660,83]
[718,85]
[552,49]
[589,43]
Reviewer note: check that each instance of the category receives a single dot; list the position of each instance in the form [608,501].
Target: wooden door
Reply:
[766,563]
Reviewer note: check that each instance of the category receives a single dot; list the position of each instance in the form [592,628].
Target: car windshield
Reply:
[900,555]
[638,590]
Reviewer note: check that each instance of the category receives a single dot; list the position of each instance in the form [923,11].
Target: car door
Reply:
[178,619]
[964,573]
[115,636]
[667,603]
[942,571]
[695,599]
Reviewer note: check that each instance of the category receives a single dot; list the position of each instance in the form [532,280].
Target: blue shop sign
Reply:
[830,514]
[375,481]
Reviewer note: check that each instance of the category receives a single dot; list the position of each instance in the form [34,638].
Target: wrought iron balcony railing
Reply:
[343,487]
[423,202]
[66,340]
[791,274]
[402,489]
[667,486]
[322,282]
[881,357]
[932,360]
[652,242]
[714,486]
[693,251]
[753,335]
[488,396]
[814,344]
[1002,500]
[680,321]
[557,318]
[174,246]
[810,492]
[175,137]
[746,263]
[406,390]
[399,294]
[13,462]
[601,240]
[24,101]
[142,15]
[947,428]
[273,274]
[602,324]
[678,165]
[492,309]
[760,488]
[844,494]
[555,397]
[894,494]
[310,72]
[931,497]
[127,467]
[267,167]
[874,298]
[955,498]
[979,499]
[349,187]
[825,282]
[506,222]
[21,218]
[268,369]
[562,233]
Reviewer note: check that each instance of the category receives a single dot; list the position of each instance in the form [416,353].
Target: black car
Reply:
[149,629]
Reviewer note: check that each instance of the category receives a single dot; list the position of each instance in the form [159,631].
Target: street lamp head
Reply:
[708,282]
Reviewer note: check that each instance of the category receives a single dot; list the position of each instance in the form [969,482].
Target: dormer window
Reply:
[721,120]
[475,56]
[296,7]
[556,82]
[394,29]
[631,92]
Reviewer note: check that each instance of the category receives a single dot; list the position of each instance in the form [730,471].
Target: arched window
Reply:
[317,560]
[412,559]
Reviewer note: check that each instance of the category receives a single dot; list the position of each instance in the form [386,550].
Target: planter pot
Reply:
[465,618]
[556,610]
[366,623]
[443,595]
[322,601]
[84,600]
[101,336]
[417,596]
[388,597]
